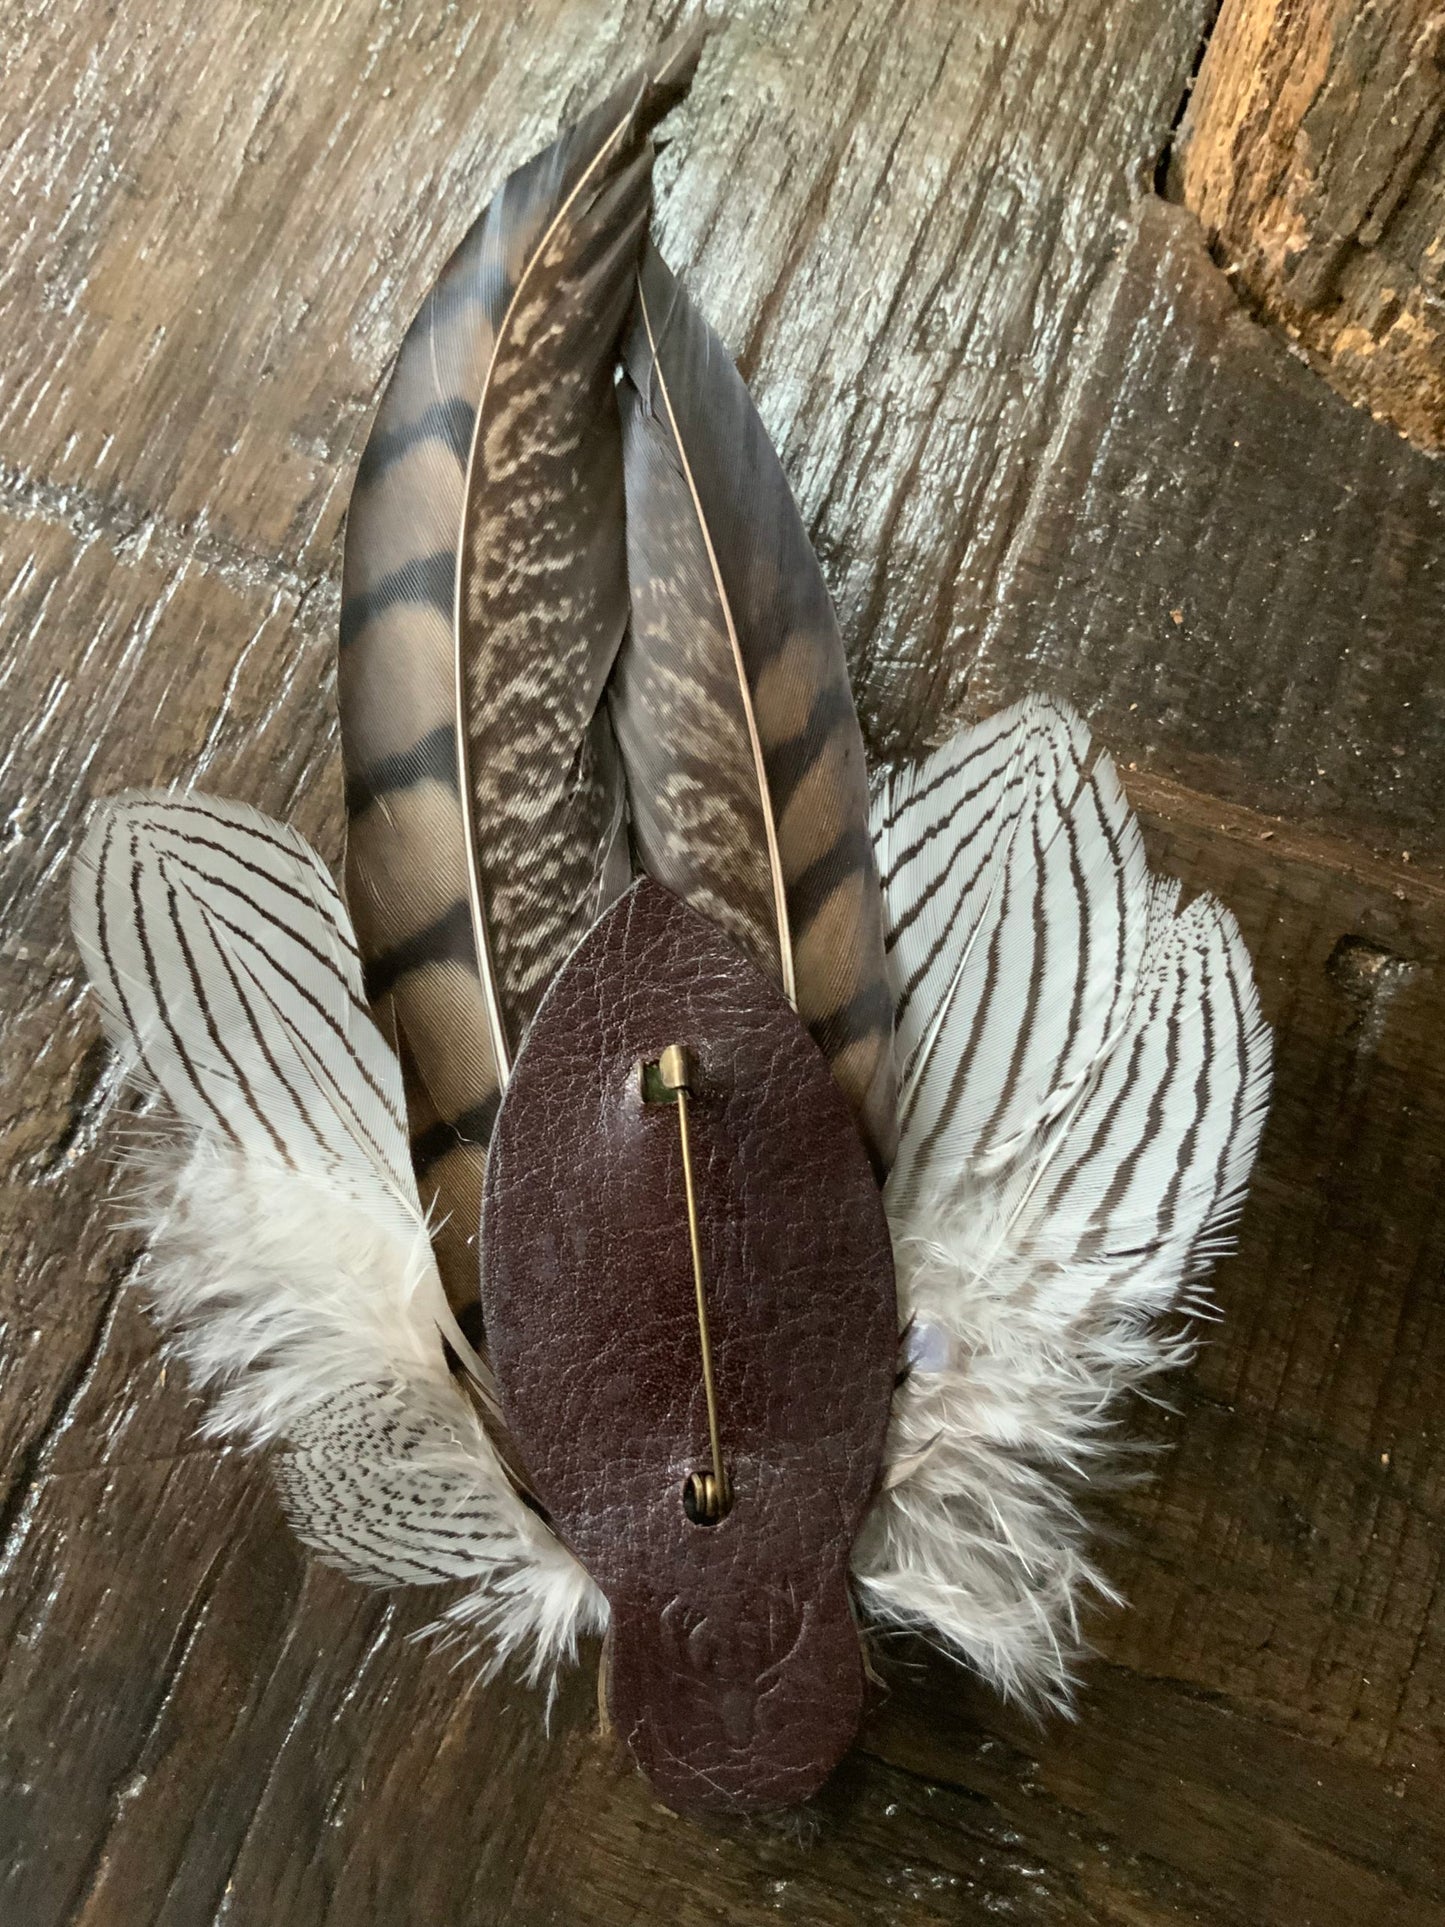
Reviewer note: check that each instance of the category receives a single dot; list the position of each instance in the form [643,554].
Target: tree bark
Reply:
[1312,152]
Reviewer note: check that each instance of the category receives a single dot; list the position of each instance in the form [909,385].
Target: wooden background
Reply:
[1039,439]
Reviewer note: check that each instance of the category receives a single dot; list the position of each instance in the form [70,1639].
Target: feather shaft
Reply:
[744,763]
[484,598]
[783,930]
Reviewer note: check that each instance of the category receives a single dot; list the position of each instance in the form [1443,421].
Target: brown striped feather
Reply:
[730,700]
[484,598]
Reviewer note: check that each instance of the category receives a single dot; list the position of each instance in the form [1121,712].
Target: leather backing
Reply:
[735,1671]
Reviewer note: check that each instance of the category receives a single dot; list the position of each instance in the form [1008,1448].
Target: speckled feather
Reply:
[484,598]
[745,766]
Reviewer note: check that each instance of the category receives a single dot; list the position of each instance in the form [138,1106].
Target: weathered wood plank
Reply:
[933,195]
[1236,574]
[216,227]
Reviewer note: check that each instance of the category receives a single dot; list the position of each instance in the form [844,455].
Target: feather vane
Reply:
[1016,890]
[222,957]
[483,601]
[1086,1074]
[745,770]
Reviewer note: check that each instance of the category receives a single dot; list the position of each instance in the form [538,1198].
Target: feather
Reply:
[745,771]
[1016,896]
[1085,1080]
[290,1256]
[483,601]
[222,959]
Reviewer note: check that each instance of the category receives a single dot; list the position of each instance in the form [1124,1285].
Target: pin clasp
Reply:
[707,1496]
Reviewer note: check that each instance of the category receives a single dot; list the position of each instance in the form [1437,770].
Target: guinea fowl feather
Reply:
[745,771]
[1085,1079]
[483,601]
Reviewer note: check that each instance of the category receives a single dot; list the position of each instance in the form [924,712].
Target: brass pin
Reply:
[708,1493]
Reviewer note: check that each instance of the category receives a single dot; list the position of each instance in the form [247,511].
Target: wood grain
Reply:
[1027,420]
[1234,572]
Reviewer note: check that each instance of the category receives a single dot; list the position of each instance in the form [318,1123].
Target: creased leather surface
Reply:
[735,1670]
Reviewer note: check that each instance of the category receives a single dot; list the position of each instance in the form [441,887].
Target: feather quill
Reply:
[1085,1080]
[745,770]
[483,601]
[290,1257]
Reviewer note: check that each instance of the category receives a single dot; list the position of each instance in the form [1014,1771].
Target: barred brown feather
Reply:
[484,598]
[745,769]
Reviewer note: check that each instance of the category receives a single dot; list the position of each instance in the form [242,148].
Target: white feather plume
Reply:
[1085,1074]
[290,1258]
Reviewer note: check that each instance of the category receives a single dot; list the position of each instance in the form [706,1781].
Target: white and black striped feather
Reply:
[1085,1073]
[290,1257]
[224,964]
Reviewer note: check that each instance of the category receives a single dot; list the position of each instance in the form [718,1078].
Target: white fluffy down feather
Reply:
[1010,1404]
[1084,1080]
[290,1259]
[315,1326]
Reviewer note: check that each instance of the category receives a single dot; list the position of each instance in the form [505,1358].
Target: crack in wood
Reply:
[132,531]
[94,1088]
[1163,165]
[28,1468]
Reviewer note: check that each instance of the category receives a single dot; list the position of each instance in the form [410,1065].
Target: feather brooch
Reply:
[678,1193]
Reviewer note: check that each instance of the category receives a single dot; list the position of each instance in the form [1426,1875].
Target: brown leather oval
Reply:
[735,1672]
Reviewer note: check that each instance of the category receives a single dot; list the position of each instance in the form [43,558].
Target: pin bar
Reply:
[710,1493]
